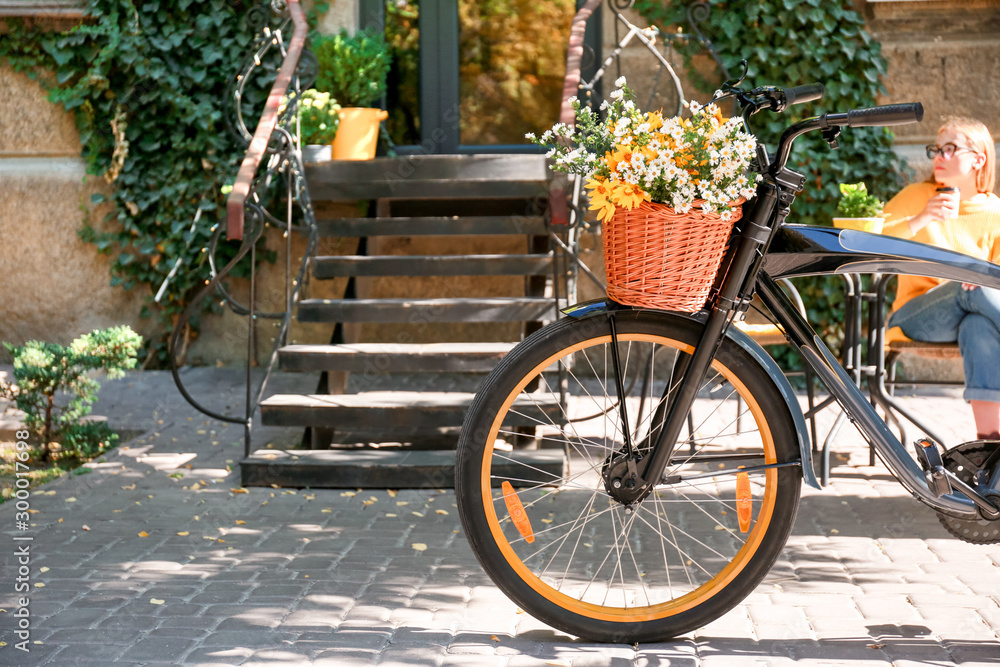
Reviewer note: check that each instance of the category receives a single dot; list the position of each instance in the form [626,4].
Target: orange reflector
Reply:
[744,502]
[517,513]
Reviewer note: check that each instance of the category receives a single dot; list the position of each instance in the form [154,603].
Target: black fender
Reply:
[804,250]
[602,307]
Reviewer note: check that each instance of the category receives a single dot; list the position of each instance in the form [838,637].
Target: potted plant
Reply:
[319,118]
[859,210]
[672,186]
[353,70]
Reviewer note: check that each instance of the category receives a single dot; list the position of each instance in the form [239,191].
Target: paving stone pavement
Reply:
[156,557]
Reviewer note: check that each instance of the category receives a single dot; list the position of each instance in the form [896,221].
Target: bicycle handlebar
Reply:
[802,94]
[890,114]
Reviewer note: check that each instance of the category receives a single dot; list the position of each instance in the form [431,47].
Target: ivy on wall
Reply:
[790,43]
[145,83]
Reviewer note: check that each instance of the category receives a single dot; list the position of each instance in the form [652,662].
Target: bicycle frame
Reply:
[798,251]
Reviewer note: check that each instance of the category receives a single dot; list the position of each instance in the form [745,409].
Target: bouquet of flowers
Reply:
[634,156]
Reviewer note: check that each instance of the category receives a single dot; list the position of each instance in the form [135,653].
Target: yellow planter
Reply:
[357,135]
[873,225]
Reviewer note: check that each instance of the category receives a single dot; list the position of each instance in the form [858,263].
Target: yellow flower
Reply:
[600,191]
[628,195]
[623,153]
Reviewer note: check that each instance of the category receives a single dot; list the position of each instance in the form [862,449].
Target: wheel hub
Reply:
[623,479]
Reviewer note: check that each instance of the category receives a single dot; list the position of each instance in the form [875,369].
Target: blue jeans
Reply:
[947,314]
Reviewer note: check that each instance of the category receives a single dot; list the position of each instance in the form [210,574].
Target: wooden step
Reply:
[496,309]
[433,226]
[432,265]
[385,469]
[430,177]
[394,409]
[394,358]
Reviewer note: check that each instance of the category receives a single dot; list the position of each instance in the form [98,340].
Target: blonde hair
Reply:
[981,141]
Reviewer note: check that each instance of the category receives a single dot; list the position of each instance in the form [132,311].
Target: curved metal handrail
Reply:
[275,146]
[268,121]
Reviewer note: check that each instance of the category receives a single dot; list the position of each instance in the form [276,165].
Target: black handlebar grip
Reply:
[802,94]
[891,114]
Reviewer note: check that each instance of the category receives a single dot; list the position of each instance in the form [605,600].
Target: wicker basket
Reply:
[658,258]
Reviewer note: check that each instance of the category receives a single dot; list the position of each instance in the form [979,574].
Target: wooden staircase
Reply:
[413,395]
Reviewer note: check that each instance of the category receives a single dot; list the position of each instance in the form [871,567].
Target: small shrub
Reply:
[87,440]
[52,386]
[353,69]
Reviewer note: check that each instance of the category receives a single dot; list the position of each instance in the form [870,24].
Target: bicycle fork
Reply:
[670,415]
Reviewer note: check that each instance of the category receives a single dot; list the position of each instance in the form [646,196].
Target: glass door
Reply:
[473,76]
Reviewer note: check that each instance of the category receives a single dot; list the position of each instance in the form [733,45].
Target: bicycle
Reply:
[650,525]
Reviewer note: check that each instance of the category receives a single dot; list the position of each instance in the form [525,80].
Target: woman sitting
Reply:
[955,209]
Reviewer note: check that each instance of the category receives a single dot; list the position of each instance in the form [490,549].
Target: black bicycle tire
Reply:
[496,390]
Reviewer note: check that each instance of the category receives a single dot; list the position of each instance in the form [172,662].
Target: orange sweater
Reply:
[976,232]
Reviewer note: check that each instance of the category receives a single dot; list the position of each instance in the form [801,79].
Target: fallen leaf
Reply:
[400,503]
[239,490]
[348,494]
[39,585]
[130,487]
[240,522]
[445,512]
[391,516]
[546,520]
[834,531]
[494,638]
[326,510]
[876,646]
[143,534]
[391,492]
[368,502]
[184,533]
[417,514]
[419,546]
[71,500]
[43,569]
[85,527]
[155,601]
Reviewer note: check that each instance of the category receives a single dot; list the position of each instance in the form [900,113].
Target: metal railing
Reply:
[271,173]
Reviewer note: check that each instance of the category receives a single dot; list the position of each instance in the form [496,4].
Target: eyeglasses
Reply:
[947,151]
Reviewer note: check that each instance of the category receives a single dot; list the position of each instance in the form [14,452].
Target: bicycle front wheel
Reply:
[533,499]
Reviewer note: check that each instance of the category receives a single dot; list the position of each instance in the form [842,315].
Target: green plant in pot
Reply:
[353,70]
[319,118]
[858,210]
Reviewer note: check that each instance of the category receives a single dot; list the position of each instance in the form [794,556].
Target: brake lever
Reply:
[830,135]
